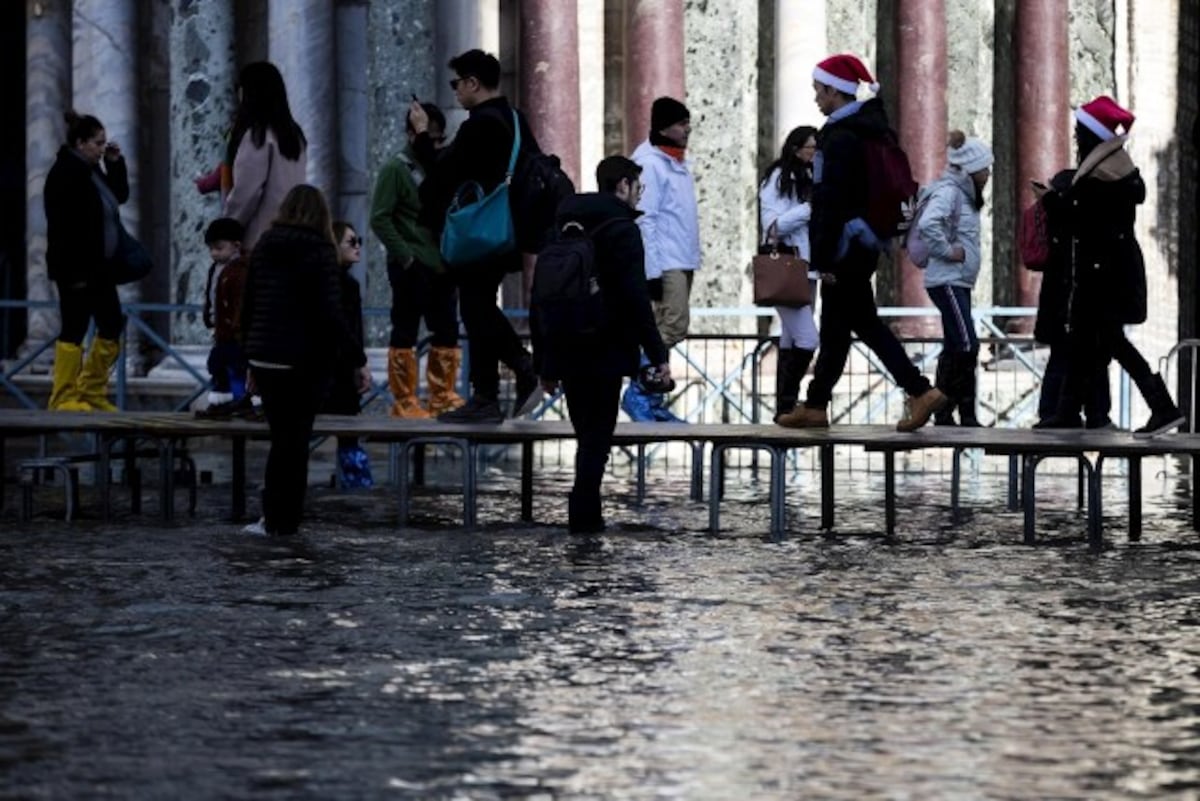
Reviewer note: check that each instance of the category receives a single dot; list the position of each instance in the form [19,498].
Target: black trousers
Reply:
[417,292]
[1096,399]
[592,402]
[491,338]
[1094,343]
[291,399]
[79,305]
[848,308]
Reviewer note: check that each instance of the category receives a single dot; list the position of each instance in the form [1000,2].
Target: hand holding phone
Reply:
[1039,188]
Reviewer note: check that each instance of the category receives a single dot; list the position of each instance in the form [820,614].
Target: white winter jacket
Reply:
[790,215]
[940,231]
[669,222]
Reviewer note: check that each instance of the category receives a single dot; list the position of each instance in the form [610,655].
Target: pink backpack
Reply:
[914,246]
[1033,236]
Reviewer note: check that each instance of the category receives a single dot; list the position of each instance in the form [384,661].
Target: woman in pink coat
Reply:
[267,151]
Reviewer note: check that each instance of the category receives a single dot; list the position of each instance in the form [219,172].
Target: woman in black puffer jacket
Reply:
[1108,275]
[294,331]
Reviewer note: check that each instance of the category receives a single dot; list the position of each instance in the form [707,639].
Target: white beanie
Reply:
[972,157]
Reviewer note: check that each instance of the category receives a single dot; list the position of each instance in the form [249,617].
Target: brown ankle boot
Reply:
[402,383]
[921,408]
[804,417]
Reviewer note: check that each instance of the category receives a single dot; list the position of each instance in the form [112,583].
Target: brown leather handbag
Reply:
[780,275]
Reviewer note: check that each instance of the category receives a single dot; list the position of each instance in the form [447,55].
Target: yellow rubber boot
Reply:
[64,396]
[441,372]
[402,383]
[93,379]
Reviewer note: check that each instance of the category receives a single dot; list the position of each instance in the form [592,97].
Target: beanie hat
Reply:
[971,157]
[665,112]
[1103,117]
[844,72]
[224,229]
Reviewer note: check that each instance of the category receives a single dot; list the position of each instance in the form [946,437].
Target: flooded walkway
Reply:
[653,662]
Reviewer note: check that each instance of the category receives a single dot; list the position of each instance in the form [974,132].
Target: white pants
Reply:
[797,327]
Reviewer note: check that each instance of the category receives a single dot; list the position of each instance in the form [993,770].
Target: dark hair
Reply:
[795,176]
[80,127]
[224,229]
[436,117]
[340,227]
[305,207]
[1086,141]
[265,105]
[614,169]
[480,65]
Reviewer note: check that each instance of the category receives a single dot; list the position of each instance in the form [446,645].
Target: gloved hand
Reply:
[655,287]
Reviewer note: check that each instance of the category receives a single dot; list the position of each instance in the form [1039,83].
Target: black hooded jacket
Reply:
[621,272]
[75,216]
[841,185]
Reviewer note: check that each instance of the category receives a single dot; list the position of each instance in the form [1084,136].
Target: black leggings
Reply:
[79,305]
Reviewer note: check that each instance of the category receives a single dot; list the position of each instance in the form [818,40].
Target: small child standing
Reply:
[222,313]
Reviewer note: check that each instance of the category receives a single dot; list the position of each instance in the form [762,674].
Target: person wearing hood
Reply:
[950,227]
[840,251]
[591,369]
[1097,210]
[670,224]
[83,224]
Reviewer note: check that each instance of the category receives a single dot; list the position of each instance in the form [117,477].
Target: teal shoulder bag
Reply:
[480,226]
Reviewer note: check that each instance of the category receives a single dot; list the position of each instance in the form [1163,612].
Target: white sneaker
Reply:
[257,528]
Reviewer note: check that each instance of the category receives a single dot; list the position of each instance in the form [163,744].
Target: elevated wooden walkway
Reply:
[1028,448]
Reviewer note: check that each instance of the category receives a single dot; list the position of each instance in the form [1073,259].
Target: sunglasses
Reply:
[454,82]
[355,241]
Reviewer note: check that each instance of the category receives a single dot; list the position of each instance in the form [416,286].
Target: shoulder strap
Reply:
[512,160]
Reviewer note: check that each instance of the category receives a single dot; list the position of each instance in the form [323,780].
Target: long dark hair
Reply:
[1085,141]
[305,207]
[264,105]
[795,175]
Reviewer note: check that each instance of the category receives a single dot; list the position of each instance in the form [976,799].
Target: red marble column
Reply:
[920,122]
[1042,86]
[653,62]
[549,77]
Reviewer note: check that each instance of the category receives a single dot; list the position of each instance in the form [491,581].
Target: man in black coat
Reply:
[844,249]
[480,153]
[592,368]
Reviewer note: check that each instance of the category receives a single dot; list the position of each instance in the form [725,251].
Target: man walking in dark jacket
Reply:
[592,367]
[845,249]
[480,153]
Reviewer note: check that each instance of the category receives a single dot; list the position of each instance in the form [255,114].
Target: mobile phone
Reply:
[1038,185]
[414,97]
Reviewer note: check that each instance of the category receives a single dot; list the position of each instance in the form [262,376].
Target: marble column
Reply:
[401,62]
[654,59]
[105,83]
[47,94]
[301,45]
[800,43]
[1043,83]
[461,25]
[353,187]
[921,123]
[722,76]
[591,91]
[202,104]
[549,76]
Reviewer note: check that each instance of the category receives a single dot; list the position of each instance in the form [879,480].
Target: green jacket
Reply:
[395,207]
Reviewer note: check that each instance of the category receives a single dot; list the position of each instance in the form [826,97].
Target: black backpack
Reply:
[538,186]
[566,301]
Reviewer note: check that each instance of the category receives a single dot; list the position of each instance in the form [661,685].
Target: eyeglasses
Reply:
[354,241]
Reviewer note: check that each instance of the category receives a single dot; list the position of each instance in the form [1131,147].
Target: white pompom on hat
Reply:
[1104,118]
[844,72]
[971,157]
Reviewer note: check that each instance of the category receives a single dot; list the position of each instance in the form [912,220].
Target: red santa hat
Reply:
[1103,117]
[844,72]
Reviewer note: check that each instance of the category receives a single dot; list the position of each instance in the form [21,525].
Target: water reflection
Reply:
[655,661]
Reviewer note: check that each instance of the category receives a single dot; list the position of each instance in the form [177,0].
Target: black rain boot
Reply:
[1164,414]
[793,365]
[944,380]
[966,382]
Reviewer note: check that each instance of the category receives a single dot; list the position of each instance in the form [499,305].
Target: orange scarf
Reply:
[676,153]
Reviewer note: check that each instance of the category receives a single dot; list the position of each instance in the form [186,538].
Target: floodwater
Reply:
[359,661]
